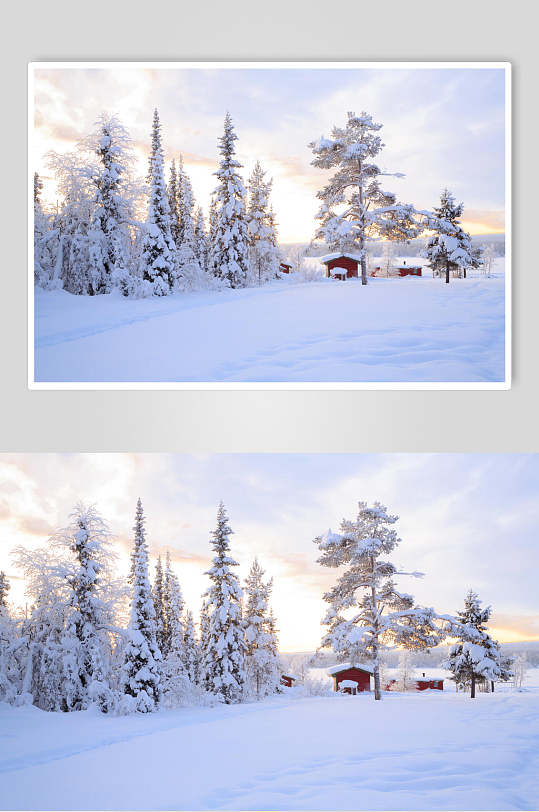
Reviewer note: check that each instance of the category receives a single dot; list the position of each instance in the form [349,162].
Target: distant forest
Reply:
[413,248]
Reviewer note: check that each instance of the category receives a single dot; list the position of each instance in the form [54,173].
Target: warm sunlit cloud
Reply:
[441,128]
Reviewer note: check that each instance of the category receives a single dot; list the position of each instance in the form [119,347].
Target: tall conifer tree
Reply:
[142,670]
[225,648]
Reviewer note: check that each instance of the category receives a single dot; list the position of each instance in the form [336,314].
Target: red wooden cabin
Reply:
[288,680]
[342,266]
[360,674]
[429,683]
[284,267]
[409,270]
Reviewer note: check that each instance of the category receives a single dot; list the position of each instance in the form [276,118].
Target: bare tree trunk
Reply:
[472,696]
[376,670]
[492,685]
[362,238]
[464,273]
[447,272]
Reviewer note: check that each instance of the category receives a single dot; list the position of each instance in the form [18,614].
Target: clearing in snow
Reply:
[412,751]
[415,330]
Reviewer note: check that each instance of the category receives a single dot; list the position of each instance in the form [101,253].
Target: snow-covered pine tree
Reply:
[449,248]
[475,657]
[230,239]
[158,250]
[381,616]
[142,669]
[113,203]
[263,253]
[225,647]
[354,205]
[173,203]
[73,217]
[261,658]
[201,240]
[84,640]
[158,594]
[190,650]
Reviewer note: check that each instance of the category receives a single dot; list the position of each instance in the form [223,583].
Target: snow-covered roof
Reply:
[336,669]
[339,254]
[348,683]
[428,679]
[289,676]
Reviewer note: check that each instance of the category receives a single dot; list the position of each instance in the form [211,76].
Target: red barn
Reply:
[425,683]
[346,672]
[342,266]
[285,267]
[288,680]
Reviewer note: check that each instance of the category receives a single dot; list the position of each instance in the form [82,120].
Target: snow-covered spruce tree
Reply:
[175,679]
[354,205]
[5,586]
[158,594]
[203,642]
[190,650]
[405,671]
[189,269]
[173,203]
[158,249]
[261,659]
[46,239]
[230,240]
[8,638]
[449,248]
[174,606]
[225,646]
[520,668]
[367,614]
[263,252]
[142,669]
[113,201]
[201,240]
[475,658]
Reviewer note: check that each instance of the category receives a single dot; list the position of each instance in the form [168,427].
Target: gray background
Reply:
[269,421]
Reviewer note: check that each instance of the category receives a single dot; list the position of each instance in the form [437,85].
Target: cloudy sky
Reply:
[465,521]
[442,127]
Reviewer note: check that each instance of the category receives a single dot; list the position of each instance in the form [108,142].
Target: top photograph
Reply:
[269,225]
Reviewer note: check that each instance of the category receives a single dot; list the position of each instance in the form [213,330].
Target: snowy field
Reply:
[414,751]
[393,330]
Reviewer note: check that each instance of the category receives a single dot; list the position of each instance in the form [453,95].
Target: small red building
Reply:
[342,265]
[429,683]
[288,680]
[346,672]
[409,270]
[285,267]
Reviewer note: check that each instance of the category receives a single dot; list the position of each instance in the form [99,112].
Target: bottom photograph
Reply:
[269,632]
